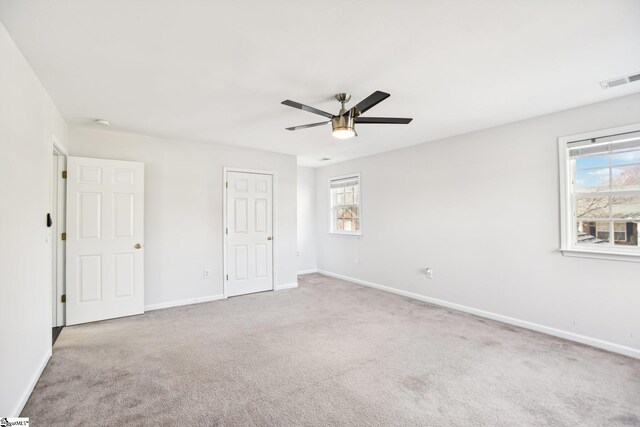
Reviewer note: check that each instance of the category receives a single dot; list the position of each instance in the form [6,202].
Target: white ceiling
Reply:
[216,71]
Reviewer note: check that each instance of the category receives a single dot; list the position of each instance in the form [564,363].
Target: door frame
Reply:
[274,216]
[58,248]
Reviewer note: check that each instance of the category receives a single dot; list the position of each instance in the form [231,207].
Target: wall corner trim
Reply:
[286,286]
[571,336]
[32,384]
[178,303]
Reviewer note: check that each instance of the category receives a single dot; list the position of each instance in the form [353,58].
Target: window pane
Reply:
[340,199]
[340,213]
[340,190]
[626,233]
[588,230]
[347,225]
[592,162]
[592,207]
[592,180]
[626,158]
[340,225]
[356,224]
[626,207]
[354,213]
[348,198]
[626,177]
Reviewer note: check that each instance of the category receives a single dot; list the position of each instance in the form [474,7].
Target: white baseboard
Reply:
[583,339]
[314,270]
[178,303]
[32,384]
[286,286]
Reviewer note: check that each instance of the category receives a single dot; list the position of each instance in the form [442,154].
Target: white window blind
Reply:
[615,143]
[344,182]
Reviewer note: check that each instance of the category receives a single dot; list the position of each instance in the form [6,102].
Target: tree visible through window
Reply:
[345,204]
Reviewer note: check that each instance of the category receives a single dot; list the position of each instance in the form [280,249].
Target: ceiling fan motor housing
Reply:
[344,123]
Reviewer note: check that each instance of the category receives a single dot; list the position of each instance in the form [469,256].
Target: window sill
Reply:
[612,256]
[352,235]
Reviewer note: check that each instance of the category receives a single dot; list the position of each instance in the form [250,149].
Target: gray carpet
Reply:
[327,353]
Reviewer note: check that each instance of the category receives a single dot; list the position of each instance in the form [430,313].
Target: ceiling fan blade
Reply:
[370,101]
[307,108]
[311,125]
[383,120]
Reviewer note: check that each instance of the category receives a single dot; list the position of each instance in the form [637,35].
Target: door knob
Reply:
[269,238]
[137,246]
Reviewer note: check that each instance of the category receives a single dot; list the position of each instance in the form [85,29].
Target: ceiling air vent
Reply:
[606,84]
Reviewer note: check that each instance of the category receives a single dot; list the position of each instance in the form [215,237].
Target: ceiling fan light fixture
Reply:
[344,133]
[343,127]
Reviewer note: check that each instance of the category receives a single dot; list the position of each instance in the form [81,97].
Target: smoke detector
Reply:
[606,84]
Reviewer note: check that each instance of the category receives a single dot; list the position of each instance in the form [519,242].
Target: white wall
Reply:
[183,208]
[307,227]
[28,121]
[482,210]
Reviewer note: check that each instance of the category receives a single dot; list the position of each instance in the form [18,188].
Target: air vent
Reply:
[620,81]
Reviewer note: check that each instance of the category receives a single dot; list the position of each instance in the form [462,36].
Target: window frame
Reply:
[607,230]
[624,230]
[332,218]
[568,232]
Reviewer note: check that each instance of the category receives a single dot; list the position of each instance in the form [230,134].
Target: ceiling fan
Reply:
[344,122]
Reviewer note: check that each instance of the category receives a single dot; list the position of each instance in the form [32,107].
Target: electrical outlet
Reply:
[429,273]
[206,273]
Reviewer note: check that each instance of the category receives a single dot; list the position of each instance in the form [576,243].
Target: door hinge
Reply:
[226,231]
[226,184]
[64,174]
[63,236]
[63,298]
[227,277]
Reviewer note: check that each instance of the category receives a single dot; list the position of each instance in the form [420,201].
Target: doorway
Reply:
[248,231]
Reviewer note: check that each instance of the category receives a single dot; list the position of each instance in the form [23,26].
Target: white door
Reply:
[249,228]
[105,255]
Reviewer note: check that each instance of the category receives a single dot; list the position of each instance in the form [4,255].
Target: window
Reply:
[601,193]
[344,193]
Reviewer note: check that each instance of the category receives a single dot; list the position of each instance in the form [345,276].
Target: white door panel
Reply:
[105,220]
[249,244]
